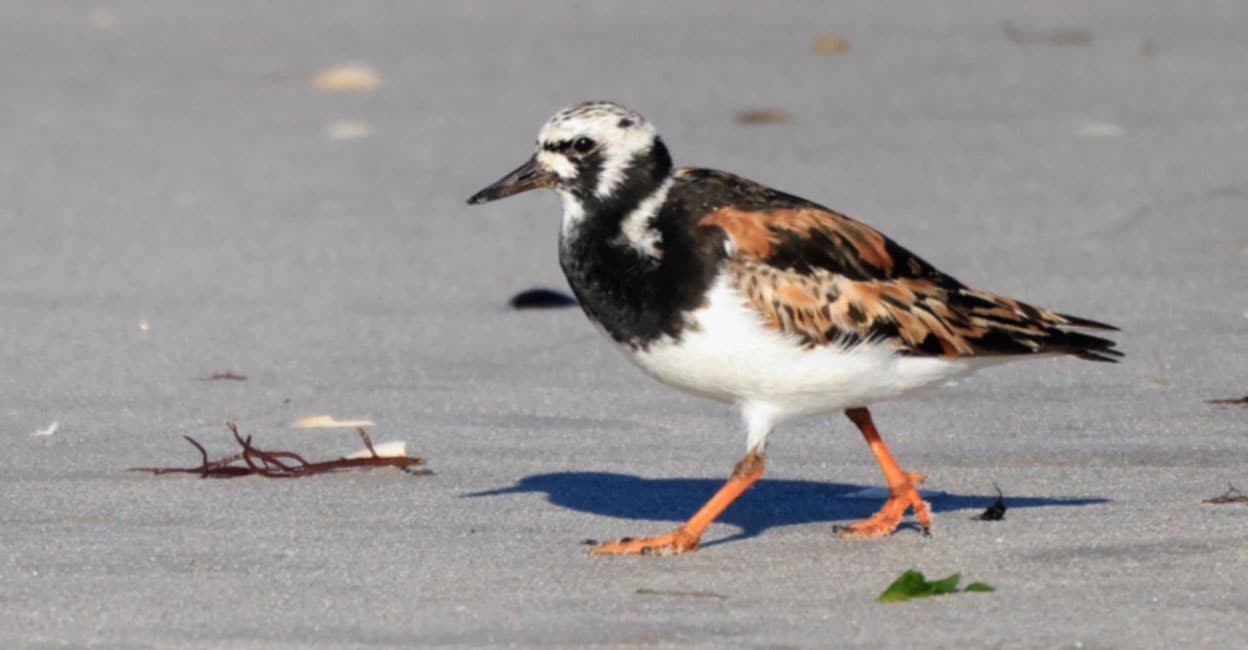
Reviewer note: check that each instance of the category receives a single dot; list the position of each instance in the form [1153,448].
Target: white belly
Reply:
[731,356]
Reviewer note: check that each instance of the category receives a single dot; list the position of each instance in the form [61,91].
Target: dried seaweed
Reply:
[1232,495]
[282,464]
[996,511]
[227,375]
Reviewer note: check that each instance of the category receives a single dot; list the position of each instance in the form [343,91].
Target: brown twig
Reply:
[205,467]
[368,442]
[1242,400]
[281,464]
[1232,495]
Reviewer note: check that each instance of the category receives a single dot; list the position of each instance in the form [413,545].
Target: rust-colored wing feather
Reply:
[828,279]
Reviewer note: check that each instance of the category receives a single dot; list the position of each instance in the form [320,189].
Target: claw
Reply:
[884,522]
[673,543]
[902,493]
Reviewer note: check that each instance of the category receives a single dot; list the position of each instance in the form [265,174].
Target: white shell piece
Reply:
[51,429]
[329,422]
[392,449]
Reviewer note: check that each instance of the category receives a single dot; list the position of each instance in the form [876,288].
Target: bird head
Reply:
[589,153]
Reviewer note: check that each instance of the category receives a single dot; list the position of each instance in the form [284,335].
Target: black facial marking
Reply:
[635,297]
[588,168]
[642,175]
[625,123]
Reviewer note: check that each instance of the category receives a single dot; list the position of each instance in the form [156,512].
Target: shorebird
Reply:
[740,293]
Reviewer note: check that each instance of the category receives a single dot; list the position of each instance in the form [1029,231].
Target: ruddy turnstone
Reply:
[740,293]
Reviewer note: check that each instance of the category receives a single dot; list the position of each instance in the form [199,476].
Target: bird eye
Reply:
[583,145]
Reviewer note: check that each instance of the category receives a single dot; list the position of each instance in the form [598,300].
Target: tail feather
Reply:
[1001,325]
[1075,321]
[1084,346]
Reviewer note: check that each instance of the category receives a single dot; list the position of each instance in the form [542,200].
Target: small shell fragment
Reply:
[348,130]
[352,76]
[829,44]
[47,431]
[1100,130]
[328,422]
[392,449]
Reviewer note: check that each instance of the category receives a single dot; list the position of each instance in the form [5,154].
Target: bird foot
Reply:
[902,496]
[673,543]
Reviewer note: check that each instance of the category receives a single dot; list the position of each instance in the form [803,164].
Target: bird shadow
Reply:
[769,503]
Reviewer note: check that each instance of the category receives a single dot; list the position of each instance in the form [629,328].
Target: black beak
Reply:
[526,177]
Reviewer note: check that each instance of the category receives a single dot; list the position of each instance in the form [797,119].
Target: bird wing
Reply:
[828,279]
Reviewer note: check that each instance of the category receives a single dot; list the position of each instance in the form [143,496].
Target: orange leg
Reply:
[686,536]
[901,490]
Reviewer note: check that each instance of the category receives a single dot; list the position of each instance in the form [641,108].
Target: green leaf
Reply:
[947,586]
[912,584]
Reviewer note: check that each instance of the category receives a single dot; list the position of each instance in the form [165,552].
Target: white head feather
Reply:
[618,133]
